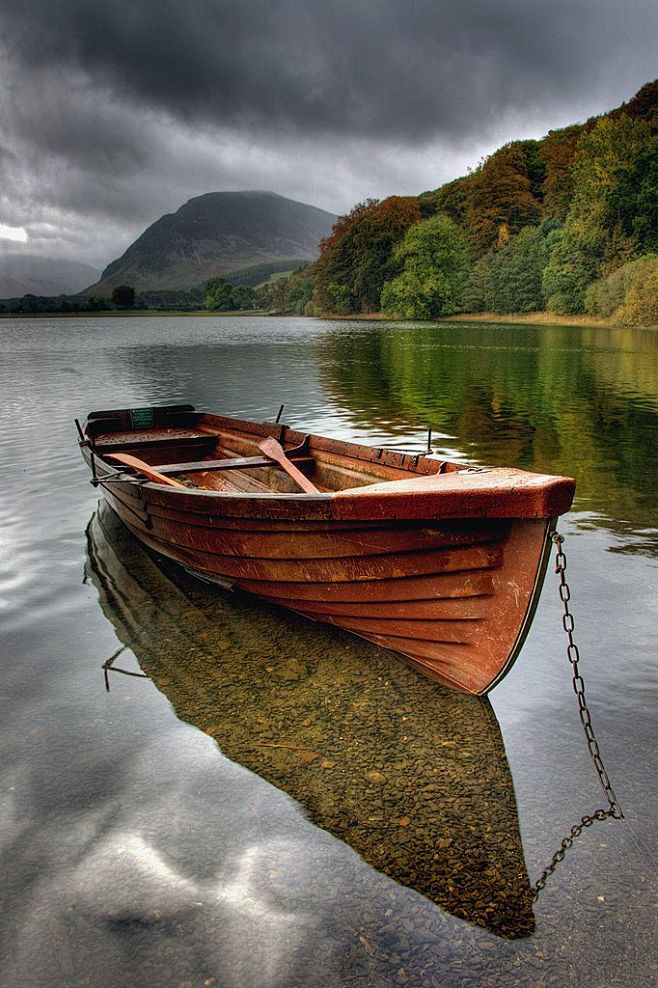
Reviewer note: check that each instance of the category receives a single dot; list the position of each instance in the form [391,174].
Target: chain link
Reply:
[614,810]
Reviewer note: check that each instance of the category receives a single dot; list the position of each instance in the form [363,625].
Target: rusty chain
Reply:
[614,810]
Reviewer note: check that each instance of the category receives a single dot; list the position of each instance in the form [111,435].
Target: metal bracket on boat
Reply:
[82,441]
[410,448]
[114,477]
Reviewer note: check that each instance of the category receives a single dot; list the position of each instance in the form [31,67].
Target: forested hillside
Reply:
[567,224]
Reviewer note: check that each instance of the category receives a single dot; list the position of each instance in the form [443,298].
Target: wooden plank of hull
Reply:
[478,665]
[464,608]
[339,570]
[300,545]
[223,522]
[497,493]
[436,586]
[459,632]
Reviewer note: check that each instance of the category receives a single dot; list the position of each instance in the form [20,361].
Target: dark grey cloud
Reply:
[118,112]
[401,68]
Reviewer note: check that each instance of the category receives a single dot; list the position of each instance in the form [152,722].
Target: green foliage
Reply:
[509,279]
[572,266]
[292,295]
[258,274]
[640,307]
[632,203]
[625,296]
[431,284]
[221,296]
[594,240]
[451,199]
[123,296]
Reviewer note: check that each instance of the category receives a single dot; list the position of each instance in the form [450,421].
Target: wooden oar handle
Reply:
[144,468]
[273,450]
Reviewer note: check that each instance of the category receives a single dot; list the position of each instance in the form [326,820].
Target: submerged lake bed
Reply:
[263,801]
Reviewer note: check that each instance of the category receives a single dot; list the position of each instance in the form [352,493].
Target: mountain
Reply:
[27,274]
[215,234]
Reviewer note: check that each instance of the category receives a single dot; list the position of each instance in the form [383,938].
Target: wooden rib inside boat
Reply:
[437,561]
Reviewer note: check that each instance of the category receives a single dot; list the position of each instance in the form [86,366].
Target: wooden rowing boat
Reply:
[411,775]
[437,561]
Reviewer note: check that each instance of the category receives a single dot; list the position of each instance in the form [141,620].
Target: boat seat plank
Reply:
[234,463]
[168,436]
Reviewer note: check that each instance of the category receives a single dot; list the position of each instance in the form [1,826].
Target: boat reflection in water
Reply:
[412,775]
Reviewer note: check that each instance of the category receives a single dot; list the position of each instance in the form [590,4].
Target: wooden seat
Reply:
[111,442]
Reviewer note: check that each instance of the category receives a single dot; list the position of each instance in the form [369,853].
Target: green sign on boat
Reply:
[142,418]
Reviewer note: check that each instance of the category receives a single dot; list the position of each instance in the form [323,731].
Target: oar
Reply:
[144,468]
[273,450]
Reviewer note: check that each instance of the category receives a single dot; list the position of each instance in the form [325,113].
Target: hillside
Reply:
[216,234]
[27,274]
[567,224]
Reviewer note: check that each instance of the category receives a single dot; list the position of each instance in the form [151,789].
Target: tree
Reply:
[358,258]
[557,151]
[594,240]
[501,193]
[222,296]
[640,306]
[433,257]
[123,296]
[509,279]
[625,296]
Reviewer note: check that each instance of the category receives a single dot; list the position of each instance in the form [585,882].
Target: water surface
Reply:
[235,816]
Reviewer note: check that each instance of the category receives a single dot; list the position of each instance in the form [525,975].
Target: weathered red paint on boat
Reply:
[438,562]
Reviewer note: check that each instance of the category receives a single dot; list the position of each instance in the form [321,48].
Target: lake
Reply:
[201,790]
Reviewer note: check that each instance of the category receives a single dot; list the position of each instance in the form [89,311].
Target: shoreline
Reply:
[486,318]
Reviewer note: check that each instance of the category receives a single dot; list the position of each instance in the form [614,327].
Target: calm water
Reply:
[268,803]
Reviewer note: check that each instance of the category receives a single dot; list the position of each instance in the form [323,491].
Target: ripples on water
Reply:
[142,839]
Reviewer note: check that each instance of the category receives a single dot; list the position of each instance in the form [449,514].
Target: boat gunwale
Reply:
[429,482]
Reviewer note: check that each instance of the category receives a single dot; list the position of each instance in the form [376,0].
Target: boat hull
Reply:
[443,570]
[457,607]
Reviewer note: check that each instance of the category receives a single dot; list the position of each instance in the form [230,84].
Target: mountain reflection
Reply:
[567,400]
[411,775]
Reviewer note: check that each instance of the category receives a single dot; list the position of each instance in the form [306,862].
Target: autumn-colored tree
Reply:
[501,193]
[607,295]
[557,151]
[451,199]
[357,258]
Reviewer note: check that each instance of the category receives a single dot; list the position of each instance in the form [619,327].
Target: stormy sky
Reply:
[113,114]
